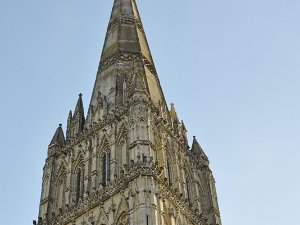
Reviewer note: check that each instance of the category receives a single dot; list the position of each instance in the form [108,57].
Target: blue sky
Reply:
[231,68]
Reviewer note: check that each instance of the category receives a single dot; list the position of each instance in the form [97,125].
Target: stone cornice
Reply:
[127,56]
[125,19]
[142,142]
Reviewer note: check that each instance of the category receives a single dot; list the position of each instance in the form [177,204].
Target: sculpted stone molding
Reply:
[126,56]
[125,19]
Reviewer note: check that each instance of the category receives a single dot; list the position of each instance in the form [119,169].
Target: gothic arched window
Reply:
[60,191]
[124,92]
[170,160]
[141,128]
[169,171]
[103,175]
[105,169]
[121,152]
[188,190]
[79,182]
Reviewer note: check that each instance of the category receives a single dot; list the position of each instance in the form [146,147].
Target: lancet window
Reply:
[142,129]
[189,187]
[124,92]
[105,168]
[121,152]
[188,190]
[79,182]
[169,171]
[60,191]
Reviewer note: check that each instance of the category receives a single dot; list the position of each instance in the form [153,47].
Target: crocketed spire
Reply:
[126,44]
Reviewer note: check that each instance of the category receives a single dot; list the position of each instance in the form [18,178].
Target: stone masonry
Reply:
[127,162]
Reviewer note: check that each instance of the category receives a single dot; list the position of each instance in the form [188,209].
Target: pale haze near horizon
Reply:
[231,68]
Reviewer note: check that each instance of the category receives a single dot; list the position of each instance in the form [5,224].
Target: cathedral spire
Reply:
[129,142]
[126,23]
[58,138]
[125,43]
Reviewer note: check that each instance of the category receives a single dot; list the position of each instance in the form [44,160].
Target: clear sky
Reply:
[230,66]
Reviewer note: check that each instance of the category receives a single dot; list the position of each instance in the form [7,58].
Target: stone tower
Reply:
[128,161]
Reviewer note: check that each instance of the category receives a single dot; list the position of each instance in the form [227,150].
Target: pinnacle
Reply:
[173,112]
[196,148]
[58,137]
[79,107]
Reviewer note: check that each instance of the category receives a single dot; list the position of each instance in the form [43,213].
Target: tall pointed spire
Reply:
[125,43]
[125,33]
